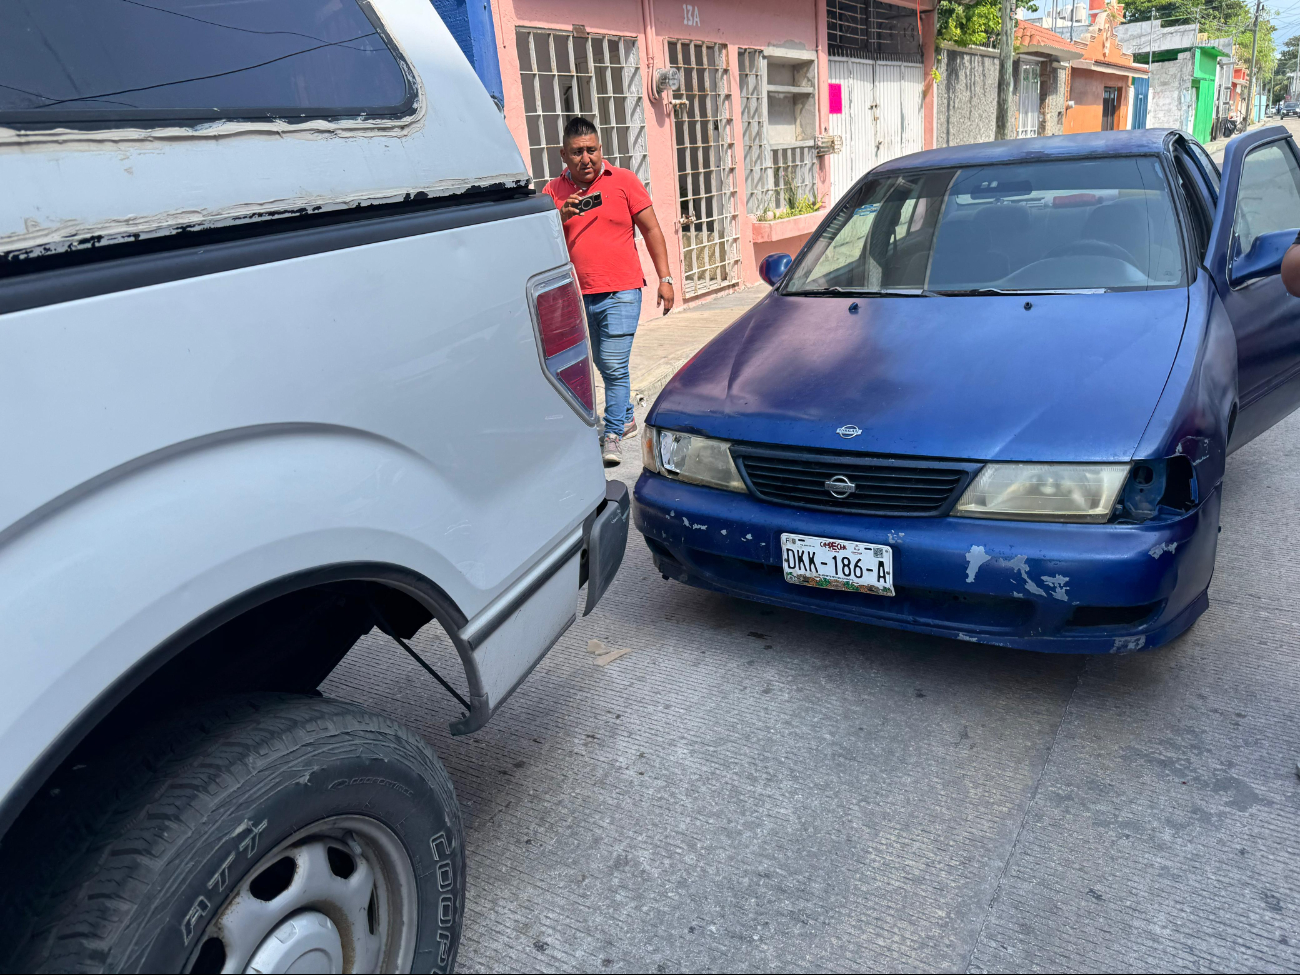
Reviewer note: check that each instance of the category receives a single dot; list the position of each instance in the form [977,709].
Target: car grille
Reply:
[879,485]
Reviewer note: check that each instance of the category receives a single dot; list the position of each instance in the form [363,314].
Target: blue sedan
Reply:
[993,395]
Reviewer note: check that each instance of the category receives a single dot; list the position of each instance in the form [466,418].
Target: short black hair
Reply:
[577,127]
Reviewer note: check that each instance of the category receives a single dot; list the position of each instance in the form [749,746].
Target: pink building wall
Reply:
[799,24]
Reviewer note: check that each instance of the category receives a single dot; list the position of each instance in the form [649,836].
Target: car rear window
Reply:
[157,62]
[1065,225]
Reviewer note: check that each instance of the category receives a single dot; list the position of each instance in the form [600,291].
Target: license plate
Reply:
[829,563]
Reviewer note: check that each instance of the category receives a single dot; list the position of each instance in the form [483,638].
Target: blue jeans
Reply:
[612,318]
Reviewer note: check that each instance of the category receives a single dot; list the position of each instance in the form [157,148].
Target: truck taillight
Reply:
[561,325]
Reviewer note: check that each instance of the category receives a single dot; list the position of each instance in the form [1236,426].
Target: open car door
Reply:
[1257,219]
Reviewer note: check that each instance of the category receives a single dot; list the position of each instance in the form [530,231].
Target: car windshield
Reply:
[1069,225]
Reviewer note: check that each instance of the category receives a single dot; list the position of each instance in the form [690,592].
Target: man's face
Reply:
[582,155]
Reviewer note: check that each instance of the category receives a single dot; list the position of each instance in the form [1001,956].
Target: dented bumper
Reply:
[1037,586]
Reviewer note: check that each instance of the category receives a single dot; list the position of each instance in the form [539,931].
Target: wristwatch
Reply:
[667,280]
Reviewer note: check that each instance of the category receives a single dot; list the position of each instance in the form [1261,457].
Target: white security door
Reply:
[882,118]
[1027,127]
[706,167]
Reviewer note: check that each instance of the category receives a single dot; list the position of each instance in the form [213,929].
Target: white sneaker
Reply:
[611,450]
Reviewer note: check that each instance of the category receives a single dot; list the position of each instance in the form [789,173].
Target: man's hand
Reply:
[1291,269]
[570,208]
[665,297]
[658,248]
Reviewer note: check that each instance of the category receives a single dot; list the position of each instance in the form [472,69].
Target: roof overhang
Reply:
[1128,71]
[1059,53]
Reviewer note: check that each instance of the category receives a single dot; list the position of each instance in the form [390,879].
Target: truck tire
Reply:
[251,834]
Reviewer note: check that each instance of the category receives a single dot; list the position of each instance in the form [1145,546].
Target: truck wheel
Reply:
[268,833]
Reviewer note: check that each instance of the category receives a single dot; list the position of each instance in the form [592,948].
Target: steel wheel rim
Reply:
[374,905]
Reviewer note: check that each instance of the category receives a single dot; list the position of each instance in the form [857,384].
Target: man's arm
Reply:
[648,224]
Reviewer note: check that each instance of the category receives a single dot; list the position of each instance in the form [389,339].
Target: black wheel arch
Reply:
[297,628]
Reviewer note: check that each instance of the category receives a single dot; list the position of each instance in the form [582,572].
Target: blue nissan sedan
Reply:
[993,395]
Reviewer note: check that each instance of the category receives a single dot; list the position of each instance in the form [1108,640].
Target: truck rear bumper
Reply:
[502,644]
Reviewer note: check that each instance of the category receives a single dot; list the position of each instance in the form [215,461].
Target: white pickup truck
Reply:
[289,350]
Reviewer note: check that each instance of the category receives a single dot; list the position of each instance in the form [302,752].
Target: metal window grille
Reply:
[596,76]
[753,128]
[776,175]
[706,167]
[873,30]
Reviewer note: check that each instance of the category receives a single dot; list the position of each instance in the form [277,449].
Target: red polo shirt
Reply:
[601,242]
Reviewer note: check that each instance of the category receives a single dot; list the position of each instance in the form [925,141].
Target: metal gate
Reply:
[706,167]
[883,116]
[1027,123]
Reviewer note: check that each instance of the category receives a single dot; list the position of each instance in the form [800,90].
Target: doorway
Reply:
[1027,126]
[706,167]
[1109,106]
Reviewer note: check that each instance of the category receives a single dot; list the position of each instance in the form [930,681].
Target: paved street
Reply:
[751,789]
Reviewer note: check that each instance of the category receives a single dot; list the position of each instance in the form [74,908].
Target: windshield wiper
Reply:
[1027,291]
[856,293]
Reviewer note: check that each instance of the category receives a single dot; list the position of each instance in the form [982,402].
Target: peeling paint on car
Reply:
[974,559]
[1021,564]
[1158,550]
[1126,644]
[1057,585]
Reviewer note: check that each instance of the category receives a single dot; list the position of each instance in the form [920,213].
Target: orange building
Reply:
[1100,88]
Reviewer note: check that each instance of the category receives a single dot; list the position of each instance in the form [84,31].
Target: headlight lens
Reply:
[699,460]
[1044,492]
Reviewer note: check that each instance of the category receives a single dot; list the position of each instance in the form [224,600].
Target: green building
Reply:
[1185,73]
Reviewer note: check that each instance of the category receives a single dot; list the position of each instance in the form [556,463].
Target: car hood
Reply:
[1034,377]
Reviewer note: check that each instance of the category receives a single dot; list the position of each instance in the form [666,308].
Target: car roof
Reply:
[1124,143]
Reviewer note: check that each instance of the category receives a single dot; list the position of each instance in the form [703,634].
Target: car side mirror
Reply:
[774,266]
[1264,257]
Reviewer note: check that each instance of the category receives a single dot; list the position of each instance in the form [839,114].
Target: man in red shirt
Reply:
[602,247]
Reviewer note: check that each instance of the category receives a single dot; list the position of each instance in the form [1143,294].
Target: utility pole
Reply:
[1250,87]
[1006,38]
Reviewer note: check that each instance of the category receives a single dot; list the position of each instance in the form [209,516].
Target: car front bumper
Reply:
[1065,588]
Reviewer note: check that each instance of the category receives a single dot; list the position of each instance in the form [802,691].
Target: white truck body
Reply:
[360,399]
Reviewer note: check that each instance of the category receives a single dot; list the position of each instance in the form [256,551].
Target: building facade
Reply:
[1188,75]
[966,93]
[1101,89]
[743,118]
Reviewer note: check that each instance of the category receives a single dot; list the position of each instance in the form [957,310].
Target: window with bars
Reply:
[706,167]
[597,76]
[778,111]
[872,30]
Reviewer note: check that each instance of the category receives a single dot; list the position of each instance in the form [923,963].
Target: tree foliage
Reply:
[968,24]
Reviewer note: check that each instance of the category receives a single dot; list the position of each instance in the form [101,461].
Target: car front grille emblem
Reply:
[849,431]
[840,486]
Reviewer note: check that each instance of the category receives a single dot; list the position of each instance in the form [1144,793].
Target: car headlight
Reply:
[699,460]
[1044,492]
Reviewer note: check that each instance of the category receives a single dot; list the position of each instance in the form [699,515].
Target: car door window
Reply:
[1198,206]
[1208,169]
[1268,194]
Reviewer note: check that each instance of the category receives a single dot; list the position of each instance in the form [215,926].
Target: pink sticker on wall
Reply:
[837,98]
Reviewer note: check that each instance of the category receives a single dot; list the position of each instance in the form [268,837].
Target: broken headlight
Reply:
[699,460]
[1044,492]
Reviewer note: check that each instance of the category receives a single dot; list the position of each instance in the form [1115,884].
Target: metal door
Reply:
[1138,114]
[706,167]
[882,116]
[1109,105]
[1259,197]
[1027,125]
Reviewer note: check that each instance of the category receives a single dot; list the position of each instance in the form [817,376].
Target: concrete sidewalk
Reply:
[663,344]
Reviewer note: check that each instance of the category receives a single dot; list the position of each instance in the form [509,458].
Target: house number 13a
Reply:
[690,15]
